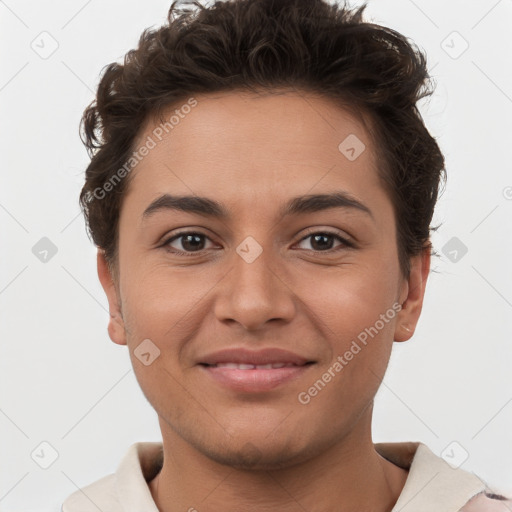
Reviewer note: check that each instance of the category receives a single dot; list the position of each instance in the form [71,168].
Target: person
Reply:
[261,189]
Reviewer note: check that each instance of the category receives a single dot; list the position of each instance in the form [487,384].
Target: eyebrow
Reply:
[298,205]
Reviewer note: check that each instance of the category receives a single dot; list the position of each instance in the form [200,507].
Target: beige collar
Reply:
[432,484]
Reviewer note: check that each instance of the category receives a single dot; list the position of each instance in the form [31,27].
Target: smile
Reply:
[253,378]
[245,366]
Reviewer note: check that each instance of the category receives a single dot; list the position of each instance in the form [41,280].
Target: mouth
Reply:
[247,366]
[249,371]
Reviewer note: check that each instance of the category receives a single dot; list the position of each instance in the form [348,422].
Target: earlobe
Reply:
[408,316]
[116,328]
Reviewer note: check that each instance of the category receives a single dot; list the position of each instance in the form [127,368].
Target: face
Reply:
[308,291]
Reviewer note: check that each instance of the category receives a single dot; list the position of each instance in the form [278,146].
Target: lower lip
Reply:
[255,380]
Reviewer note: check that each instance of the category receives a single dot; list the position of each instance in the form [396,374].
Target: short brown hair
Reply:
[236,45]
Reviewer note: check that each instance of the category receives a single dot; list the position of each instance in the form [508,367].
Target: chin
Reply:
[253,458]
[259,453]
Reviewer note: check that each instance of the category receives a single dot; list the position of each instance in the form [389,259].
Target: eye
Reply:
[191,241]
[322,241]
[194,242]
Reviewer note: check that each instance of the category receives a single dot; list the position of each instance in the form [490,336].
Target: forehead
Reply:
[238,145]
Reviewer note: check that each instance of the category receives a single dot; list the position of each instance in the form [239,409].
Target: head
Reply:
[264,114]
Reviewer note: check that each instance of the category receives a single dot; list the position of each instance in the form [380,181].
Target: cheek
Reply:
[356,314]
[352,300]
[359,326]
[160,302]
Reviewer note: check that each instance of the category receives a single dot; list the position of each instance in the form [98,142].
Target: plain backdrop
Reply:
[65,384]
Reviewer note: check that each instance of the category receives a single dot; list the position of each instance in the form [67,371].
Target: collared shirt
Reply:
[432,484]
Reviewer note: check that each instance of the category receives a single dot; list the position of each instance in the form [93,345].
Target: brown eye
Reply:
[323,241]
[190,242]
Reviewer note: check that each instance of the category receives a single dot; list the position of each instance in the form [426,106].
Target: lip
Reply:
[254,380]
[257,357]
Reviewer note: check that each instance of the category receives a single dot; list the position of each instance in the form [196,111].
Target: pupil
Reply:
[188,238]
[316,238]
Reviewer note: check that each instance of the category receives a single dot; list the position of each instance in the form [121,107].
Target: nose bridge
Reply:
[253,292]
[253,260]
[252,268]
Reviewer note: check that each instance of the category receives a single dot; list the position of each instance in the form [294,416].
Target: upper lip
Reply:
[256,357]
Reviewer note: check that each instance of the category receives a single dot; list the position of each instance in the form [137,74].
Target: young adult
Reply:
[261,190]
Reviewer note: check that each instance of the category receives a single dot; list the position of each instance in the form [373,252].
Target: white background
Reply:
[64,382]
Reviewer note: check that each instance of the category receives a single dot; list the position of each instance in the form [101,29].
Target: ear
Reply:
[412,296]
[116,329]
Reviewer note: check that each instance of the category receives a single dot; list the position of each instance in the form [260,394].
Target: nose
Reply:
[255,293]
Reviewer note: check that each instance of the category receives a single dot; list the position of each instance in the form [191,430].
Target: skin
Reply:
[225,450]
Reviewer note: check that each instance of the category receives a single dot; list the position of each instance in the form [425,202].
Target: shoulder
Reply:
[488,502]
[124,488]
[101,493]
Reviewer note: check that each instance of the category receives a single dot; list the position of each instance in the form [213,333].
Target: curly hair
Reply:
[253,45]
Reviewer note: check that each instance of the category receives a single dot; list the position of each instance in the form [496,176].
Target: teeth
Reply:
[243,366]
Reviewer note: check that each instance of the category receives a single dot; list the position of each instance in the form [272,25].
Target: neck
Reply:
[348,476]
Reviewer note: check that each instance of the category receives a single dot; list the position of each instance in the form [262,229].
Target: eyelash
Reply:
[345,243]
